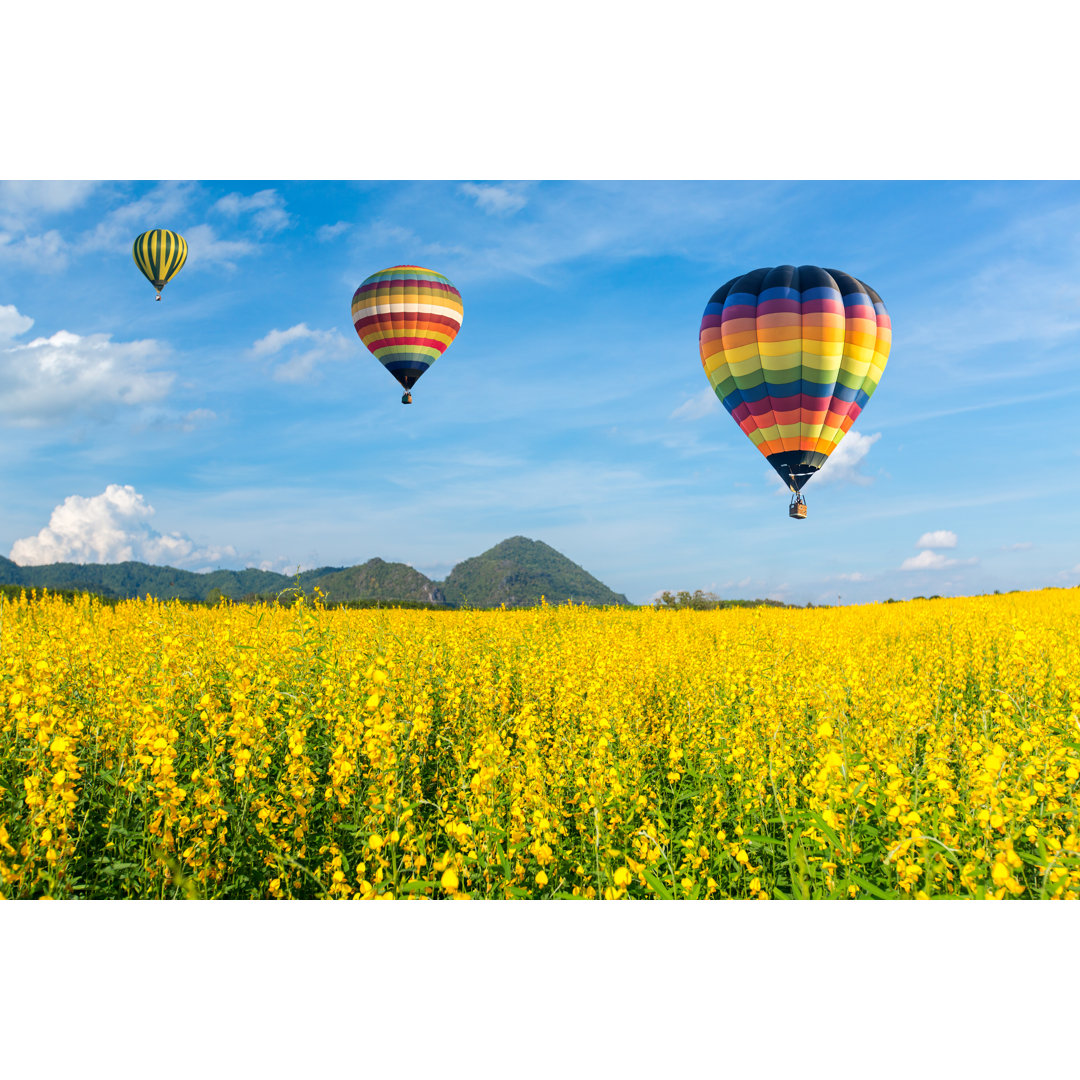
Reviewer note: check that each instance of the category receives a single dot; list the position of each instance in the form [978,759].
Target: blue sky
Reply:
[572,408]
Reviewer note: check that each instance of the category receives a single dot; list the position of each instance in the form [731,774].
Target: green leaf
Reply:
[873,890]
[658,886]
[825,829]
[416,886]
[754,838]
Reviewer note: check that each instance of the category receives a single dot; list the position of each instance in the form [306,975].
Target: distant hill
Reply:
[379,580]
[130,579]
[518,572]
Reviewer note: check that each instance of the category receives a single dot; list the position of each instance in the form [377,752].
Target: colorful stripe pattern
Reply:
[159,254]
[407,316]
[794,354]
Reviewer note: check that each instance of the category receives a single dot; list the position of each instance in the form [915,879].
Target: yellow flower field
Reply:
[924,749]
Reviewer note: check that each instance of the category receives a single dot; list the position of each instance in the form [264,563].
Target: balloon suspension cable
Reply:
[797,506]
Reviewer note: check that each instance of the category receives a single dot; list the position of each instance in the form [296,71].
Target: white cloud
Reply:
[842,466]
[283,565]
[400,239]
[23,203]
[54,378]
[109,528]
[497,198]
[570,221]
[325,233]
[941,538]
[205,249]
[159,208]
[927,560]
[856,576]
[48,251]
[300,363]
[266,207]
[1023,545]
[701,404]
[23,197]
[933,560]
[165,206]
[12,324]
[196,418]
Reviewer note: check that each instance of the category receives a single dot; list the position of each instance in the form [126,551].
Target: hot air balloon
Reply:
[407,316]
[159,254]
[794,354]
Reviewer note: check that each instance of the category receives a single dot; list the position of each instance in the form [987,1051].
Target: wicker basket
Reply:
[798,510]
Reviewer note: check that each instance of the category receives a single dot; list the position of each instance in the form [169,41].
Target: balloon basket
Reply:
[797,509]
[406,398]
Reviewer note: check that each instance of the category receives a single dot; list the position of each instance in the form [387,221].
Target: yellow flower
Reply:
[622,877]
[541,879]
[449,880]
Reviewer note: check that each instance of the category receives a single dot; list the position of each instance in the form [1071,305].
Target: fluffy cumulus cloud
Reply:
[12,324]
[843,464]
[940,538]
[501,199]
[296,353]
[267,209]
[930,559]
[64,375]
[927,560]
[109,528]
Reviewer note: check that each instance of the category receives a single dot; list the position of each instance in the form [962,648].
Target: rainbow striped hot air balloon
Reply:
[794,354]
[159,254]
[407,316]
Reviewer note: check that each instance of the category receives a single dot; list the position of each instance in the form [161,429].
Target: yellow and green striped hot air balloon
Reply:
[159,254]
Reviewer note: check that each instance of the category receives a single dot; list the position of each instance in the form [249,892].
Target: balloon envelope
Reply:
[407,316]
[794,354]
[159,254]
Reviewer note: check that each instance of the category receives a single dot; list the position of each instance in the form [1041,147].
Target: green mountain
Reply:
[129,579]
[379,580]
[518,572]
